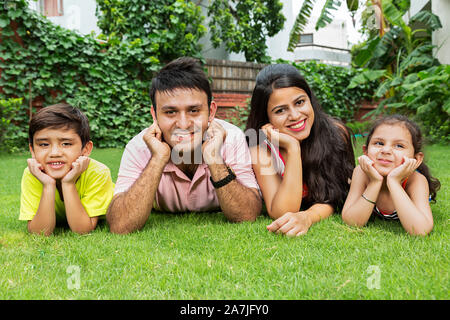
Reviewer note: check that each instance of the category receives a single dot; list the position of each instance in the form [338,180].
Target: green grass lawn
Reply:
[202,256]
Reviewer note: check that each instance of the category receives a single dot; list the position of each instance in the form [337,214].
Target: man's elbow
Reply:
[119,229]
[115,226]
[250,213]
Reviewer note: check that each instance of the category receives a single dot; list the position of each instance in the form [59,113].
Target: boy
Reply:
[61,181]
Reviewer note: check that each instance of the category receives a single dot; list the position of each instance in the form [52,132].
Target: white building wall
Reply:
[441,37]
[78,15]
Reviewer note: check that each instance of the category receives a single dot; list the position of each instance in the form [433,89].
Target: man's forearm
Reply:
[130,210]
[238,203]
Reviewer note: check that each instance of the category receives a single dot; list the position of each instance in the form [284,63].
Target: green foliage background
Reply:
[107,80]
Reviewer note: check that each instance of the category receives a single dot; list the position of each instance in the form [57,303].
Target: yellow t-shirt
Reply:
[94,186]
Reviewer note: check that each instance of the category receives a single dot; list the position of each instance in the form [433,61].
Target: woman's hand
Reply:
[283,140]
[291,224]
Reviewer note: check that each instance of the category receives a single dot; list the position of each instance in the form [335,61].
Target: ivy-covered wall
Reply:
[108,80]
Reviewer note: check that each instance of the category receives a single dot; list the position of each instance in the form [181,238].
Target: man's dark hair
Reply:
[184,73]
[57,116]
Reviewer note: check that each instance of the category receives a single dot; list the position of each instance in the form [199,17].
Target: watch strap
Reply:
[230,177]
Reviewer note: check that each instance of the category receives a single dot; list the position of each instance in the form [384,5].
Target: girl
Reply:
[391,181]
[306,178]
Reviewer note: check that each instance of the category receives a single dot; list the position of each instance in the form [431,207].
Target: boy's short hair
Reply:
[57,116]
[184,72]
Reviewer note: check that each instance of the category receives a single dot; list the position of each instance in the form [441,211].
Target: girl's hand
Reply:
[291,224]
[78,167]
[37,171]
[283,140]
[367,166]
[404,170]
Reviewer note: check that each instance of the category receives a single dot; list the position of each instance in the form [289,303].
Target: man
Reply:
[186,160]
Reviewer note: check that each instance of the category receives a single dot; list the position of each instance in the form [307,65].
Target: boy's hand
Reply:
[153,139]
[367,166]
[37,171]
[404,170]
[78,167]
[291,224]
[283,140]
[211,147]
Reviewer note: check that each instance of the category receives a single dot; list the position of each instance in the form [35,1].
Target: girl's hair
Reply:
[417,141]
[327,153]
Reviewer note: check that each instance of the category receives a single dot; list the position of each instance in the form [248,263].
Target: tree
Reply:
[325,17]
[162,29]
[414,83]
[244,25]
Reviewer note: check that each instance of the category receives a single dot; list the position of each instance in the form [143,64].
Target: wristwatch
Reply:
[230,177]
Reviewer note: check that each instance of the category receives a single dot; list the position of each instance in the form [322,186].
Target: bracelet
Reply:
[372,202]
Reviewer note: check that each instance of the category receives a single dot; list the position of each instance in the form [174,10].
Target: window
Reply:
[52,8]
[306,38]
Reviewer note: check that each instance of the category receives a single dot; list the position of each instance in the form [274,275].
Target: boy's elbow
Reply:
[42,232]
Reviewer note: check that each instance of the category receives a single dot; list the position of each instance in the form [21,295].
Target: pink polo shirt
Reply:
[176,192]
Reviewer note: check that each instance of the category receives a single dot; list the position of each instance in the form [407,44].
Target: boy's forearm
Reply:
[238,203]
[129,211]
[77,217]
[44,220]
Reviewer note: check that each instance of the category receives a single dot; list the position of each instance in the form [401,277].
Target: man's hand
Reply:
[36,170]
[291,224]
[78,167]
[367,166]
[153,138]
[216,135]
[404,170]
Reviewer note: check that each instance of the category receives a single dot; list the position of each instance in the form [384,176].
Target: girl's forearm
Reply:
[44,220]
[358,213]
[414,221]
[77,217]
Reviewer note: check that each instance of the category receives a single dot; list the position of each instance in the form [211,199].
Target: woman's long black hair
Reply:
[327,154]
[416,135]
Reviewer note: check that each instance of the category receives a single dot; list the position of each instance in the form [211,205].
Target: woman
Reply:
[305,161]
